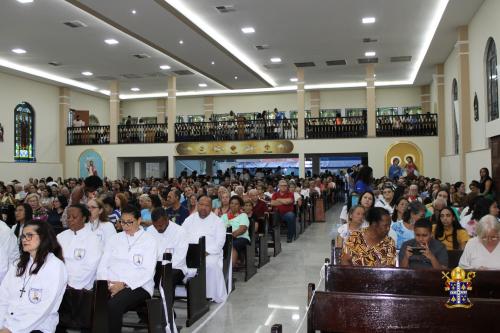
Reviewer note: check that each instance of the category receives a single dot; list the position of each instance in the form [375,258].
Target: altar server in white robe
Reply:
[205,223]
[81,248]
[98,221]
[9,250]
[128,264]
[32,290]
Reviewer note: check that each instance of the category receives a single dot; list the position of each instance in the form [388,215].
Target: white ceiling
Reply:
[295,30]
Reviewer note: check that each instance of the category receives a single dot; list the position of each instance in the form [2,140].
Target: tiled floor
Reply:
[278,292]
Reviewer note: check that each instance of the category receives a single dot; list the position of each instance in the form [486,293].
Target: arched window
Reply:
[492,80]
[24,133]
[454,116]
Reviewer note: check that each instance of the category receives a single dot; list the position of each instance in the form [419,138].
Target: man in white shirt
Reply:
[207,224]
[128,264]
[77,122]
[9,251]
[170,238]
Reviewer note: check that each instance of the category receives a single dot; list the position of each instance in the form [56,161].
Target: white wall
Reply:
[45,100]
[475,161]
[485,24]
[257,103]
[450,171]
[189,105]
[97,106]
[450,73]
[343,98]
[138,108]
[401,96]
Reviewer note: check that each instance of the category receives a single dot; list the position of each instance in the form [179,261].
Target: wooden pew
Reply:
[275,242]
[263,239]
[454,257]
[404,281]
[250,268]
[356,312]
[227,252]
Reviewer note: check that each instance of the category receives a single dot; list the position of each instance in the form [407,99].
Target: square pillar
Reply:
[171,110]
[464,96]
[160,110]
[439,79]
[302,165]
[208,107]
[114,111]
[315,103]
[300,104]
[370,100]
[425,98]
[64,103]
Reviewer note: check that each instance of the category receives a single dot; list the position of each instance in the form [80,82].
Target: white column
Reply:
[300,104]
[302,165]
[114,111]
[171,108]
[171,166]
[64,103]
[370,100]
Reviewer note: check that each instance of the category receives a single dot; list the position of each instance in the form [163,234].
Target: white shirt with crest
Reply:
[174,238]
[103,230]
[82,252]
[130,259]
[30,302]
[9,251]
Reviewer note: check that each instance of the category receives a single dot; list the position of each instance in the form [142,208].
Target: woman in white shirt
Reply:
[32,290]
[128,264]
[386,201]
[482,252]
[98,221]
[355,222]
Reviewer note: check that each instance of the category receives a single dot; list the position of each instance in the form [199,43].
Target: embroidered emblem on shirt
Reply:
[138,259]
[35,295]
[79,254]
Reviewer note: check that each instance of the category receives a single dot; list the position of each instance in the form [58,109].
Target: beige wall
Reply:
[450,73]
[403,96]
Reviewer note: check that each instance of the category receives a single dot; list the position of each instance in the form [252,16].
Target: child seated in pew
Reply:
[423,251]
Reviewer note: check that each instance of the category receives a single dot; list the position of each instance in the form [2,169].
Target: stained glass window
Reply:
[24,133]
[492,80]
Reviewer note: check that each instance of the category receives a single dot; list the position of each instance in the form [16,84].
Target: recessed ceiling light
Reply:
[368,20]
[111,41]
[248,30]
[134,11]
[181,42]
[370,54]
[202,85]
[213,62]
[19,51]
[294,79]
[87,73]
[276,60]
[25,1]
[164,67]
[236,77]
[135,89]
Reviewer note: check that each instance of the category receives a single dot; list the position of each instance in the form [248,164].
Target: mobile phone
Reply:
[417,250]
[354,200]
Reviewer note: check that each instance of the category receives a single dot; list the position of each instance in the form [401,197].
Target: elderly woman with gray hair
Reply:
[483,252]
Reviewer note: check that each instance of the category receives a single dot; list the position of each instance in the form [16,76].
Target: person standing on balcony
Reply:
[77,122]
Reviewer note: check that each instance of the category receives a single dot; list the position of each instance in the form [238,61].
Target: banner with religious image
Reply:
[90,163]
[252,147]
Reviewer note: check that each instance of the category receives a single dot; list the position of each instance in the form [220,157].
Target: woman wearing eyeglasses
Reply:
[387,199]
[128,264]
[33,288]
[483,252]
[98,221]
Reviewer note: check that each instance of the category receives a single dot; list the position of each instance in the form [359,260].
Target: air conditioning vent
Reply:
[225,9]
[341,62]
[131,76]
[401,59]
[83,79]
[274,66]
[156,74]
[141,56]
[75,24]
[368,61]
[55,63]
[262,47]
[106,78]
[370,40]
[182,72]
[305,64]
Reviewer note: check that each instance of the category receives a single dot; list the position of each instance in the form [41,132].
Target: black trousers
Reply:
[126,300]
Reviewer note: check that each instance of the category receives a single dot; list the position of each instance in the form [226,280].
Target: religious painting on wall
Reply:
[24,133]
[90,163]
[408,155]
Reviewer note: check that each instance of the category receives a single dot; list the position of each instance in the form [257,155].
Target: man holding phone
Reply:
[423,251]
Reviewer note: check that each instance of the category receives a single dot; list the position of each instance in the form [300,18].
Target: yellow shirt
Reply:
[447,239]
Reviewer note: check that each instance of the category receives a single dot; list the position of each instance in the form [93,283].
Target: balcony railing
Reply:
[142,133]
[408,125]
[236,130]
[331,128]
[87,135]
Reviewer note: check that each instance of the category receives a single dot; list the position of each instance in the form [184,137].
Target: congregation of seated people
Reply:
[60,235]
[411,221]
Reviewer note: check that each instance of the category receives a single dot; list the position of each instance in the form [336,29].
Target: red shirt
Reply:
[283,209]
[259,209]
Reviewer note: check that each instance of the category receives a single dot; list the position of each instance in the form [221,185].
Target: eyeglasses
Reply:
[28,236]
[126,222]
[493,239]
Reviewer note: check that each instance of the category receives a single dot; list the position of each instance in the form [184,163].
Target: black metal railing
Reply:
[87,135]
[260,129]
[142,133]
[408,125]
[340,127]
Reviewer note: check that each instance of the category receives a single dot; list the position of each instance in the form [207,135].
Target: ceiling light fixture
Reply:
[213,62]
[134,11]
[135,89]
[105,92]
[370,54]
[248,30]
[19,51]
[164,67]
[202,85]
[294,79]
[368,20]
[276,59]
[236,77]
[87,73]
[181,42]
[219,37]
[25,1]
[111,41]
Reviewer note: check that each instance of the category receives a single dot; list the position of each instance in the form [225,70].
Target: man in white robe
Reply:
[207,224]
[9,250]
